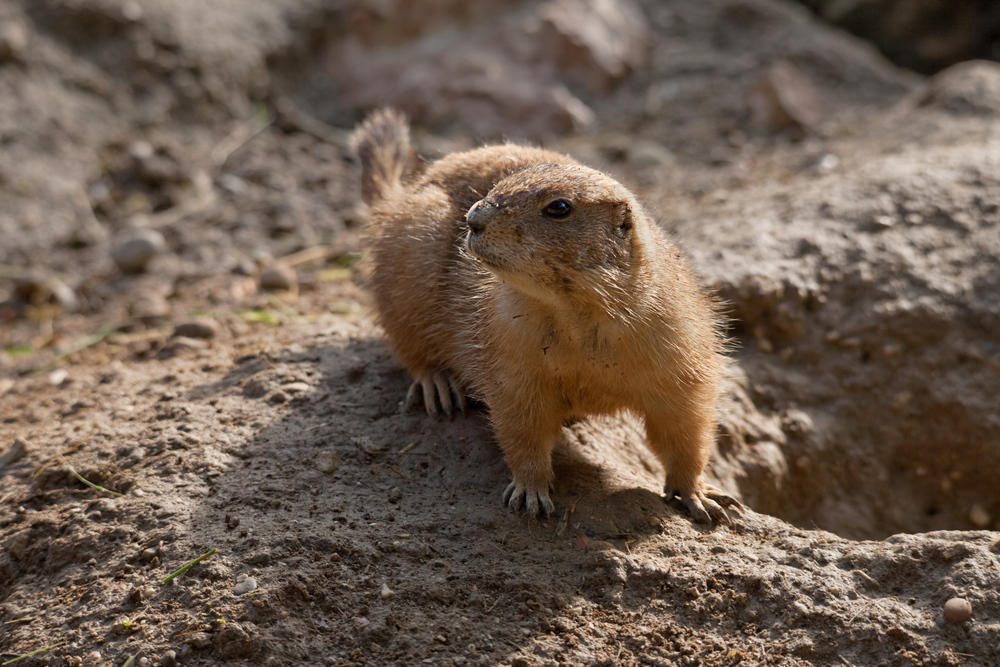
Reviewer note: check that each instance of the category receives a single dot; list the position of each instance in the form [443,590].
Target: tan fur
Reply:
[543,319]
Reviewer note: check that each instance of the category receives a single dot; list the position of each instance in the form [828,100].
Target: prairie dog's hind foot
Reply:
[437,388]
[706,504]
[535,501]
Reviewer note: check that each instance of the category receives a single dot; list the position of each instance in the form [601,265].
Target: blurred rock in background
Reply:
[922,35]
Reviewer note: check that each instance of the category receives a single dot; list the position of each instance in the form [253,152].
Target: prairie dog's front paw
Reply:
[707,504]
[533,499]
[437,388]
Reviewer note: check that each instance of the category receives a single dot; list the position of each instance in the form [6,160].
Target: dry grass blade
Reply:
[32,654]
[95,487]
[187,567]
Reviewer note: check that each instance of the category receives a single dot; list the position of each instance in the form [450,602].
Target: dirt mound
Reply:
[181,324]
[865,300]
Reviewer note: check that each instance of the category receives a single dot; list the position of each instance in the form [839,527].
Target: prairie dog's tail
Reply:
[382,144]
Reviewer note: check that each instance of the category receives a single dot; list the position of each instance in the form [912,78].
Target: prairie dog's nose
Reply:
[479,215]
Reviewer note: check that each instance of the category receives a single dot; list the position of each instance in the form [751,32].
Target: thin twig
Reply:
[204,198]
[318,426]
[400,473]
[89,341]
[495,603]
[243,133]
[313,126]
[308,255]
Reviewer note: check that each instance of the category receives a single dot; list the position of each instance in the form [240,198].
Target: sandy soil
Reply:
[859,254]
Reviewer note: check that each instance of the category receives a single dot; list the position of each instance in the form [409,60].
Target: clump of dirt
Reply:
[182,324]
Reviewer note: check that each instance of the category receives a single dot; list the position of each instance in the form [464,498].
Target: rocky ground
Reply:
[182,324]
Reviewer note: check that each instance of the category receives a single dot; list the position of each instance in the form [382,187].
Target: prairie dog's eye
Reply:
[558,209]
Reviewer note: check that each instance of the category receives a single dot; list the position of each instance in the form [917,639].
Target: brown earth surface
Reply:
[163,162]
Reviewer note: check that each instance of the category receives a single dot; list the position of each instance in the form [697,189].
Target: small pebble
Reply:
[14,452]
[133,254]
[245,586]
[256,388]
[58,376]
[278,277]
[296,387]
[13,41]
[957,610]
[150,305]
[827,162]
[148,554]
[169,658]
[93,658]
[17,544]
[201,327]
[141,150]
[367,444]
[385,592]
[600,545]
[106,505]
[395,495]
[979,517]
[327,461]
[132,11]
[649,154]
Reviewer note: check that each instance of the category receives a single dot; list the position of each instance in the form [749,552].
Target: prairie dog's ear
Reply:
[623,219]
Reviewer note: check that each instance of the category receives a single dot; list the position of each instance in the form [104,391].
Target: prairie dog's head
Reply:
[556,231]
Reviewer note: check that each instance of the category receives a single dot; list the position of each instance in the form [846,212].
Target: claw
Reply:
[443,393]
[722,498]
[459,393]
[516,497]
[429,403]
[411,394]
[437,389]
[705,505]
[512,496]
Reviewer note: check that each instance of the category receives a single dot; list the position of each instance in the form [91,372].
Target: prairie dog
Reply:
[540,286]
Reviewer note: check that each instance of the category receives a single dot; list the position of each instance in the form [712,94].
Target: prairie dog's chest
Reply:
[588,363]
